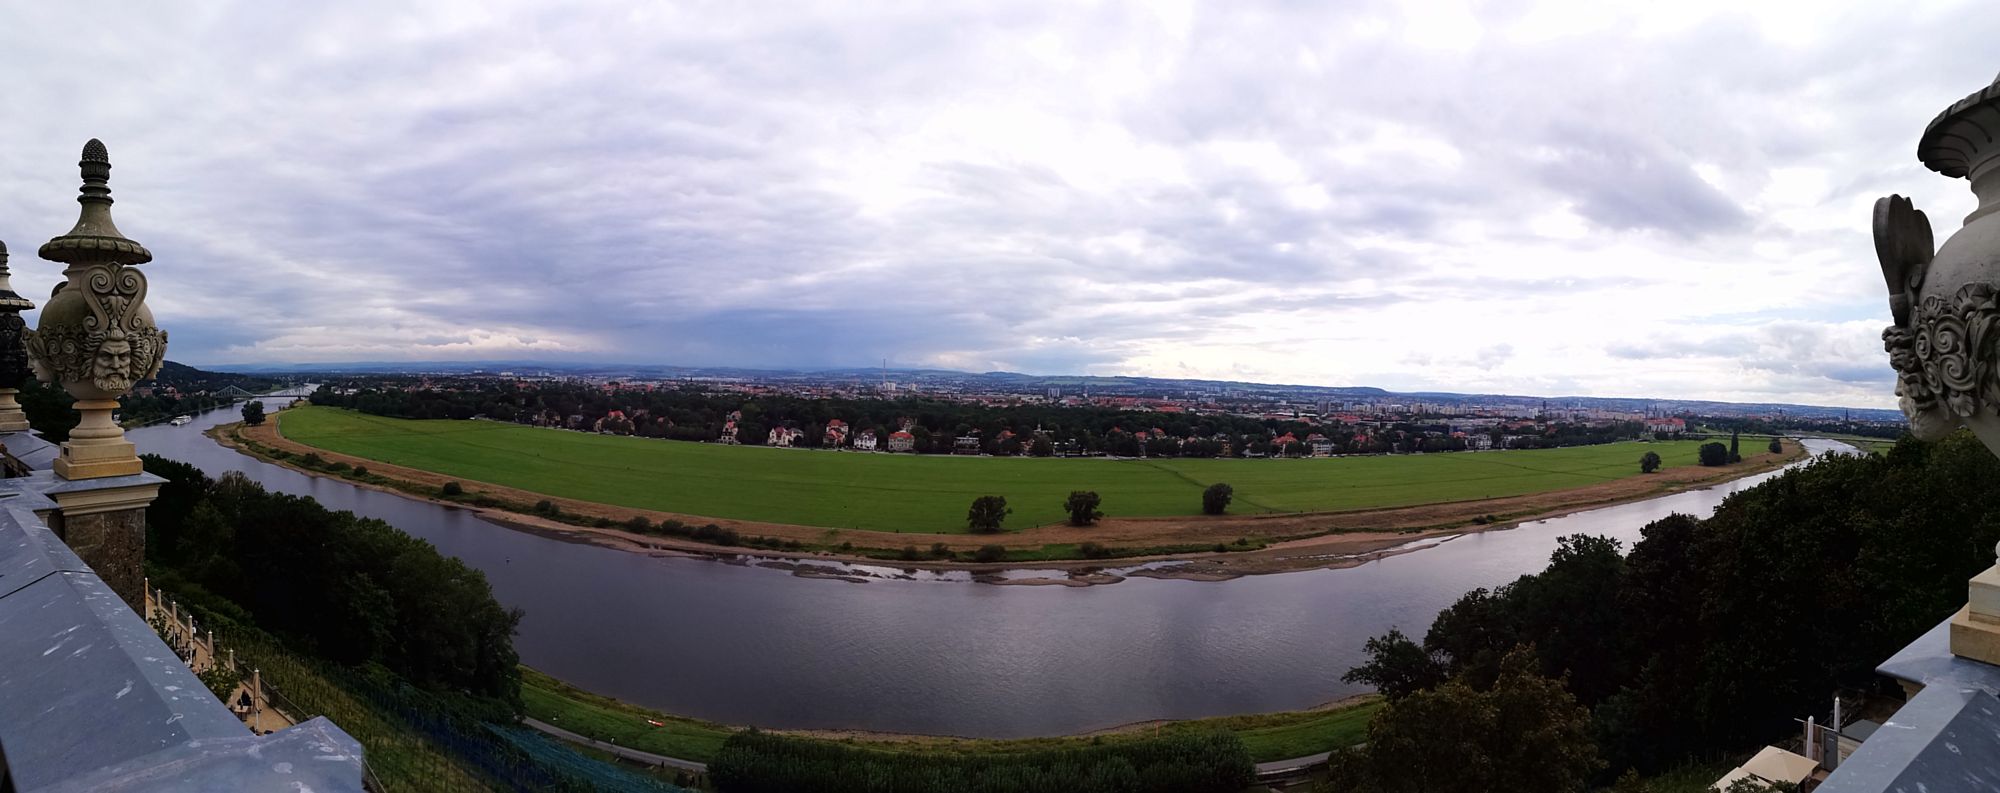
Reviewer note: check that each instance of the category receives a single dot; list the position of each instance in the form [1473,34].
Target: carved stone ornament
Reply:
[14,371]
[96,338]
[112,346]
[1945,345]
[1945,300]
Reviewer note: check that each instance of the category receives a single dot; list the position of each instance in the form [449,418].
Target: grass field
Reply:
[1269,736]
[884,492]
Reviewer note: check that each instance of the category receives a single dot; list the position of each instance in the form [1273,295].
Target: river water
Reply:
[746,645]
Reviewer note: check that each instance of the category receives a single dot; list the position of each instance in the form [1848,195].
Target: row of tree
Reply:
[696,414]
[1710,636]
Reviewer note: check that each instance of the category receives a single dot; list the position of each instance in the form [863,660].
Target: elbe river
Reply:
[746,645]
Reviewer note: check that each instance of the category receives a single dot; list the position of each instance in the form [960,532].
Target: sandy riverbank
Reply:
[1282,543]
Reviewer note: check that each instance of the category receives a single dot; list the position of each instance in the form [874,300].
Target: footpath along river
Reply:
[936,653]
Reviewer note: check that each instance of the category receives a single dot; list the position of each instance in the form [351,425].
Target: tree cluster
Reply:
[349,589]
[1712,635]
[693,413]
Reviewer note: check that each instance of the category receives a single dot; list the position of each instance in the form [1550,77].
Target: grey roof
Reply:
[92,699]
[1946,738]
[31,449]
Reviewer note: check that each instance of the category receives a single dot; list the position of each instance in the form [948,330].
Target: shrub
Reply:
[1215,500]
[1082,507]
[910,554]
[638,524]
[989,553]
[939,550]
[1714,453]
[312,460]
[986,513]
[360,472]
[336,466]
[451,490]
[547,507]
[603,523]
[1092,550]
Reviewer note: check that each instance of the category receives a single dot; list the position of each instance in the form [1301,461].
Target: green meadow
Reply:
[908,493]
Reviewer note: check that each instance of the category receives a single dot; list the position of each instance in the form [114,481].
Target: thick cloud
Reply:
[1666,200]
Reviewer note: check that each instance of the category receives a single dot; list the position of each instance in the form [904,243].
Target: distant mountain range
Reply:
[1019,383]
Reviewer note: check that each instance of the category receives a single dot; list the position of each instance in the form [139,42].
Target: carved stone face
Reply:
[111,369]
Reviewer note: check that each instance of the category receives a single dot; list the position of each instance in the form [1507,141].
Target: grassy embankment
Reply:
[1270,736]
[907,493]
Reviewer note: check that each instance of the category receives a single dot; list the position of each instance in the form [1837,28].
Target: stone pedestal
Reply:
[104,521]
[11,417]
[1975,629]
[97,447]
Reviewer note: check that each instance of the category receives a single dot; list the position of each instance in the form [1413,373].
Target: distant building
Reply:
[965,444]
[784,436]
[835,435]
[865,441]
[1319,445]
[902,441]
[1670,426]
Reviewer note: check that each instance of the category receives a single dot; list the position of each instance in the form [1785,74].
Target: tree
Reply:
[1082,507]
[990,553]
[1649,462]
[1777,446]
[1397,667]
[452,490]
[253,413]
[1042,447]
[986,513]
[1714,453]
[1525,733]
[1215,500]
[1735,453]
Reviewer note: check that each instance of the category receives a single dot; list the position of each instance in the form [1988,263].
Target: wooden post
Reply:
[256,700]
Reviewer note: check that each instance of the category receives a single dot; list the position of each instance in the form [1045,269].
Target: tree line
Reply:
[1709,637]
[693,413]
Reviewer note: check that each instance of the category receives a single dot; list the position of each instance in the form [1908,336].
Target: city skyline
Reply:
[1540,198]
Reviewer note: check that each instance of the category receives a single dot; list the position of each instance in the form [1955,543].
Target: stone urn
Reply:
[14,370]
[1945,301]
[96,337]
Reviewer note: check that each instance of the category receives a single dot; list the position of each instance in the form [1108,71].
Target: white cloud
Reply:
[1526,197]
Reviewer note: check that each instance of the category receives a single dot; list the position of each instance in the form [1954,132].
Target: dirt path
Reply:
[1292,541]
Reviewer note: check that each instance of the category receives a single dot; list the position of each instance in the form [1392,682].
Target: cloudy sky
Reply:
[1663,199]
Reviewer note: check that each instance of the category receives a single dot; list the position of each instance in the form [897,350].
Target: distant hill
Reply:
[189,380]
[1070,384]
